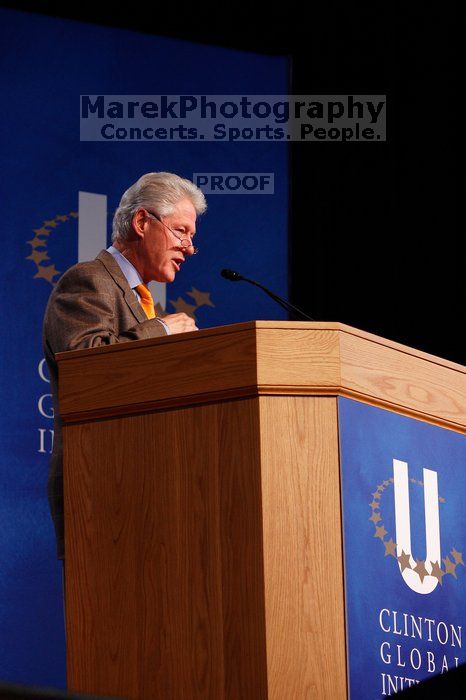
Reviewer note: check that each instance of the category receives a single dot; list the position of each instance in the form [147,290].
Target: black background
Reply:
[372,225]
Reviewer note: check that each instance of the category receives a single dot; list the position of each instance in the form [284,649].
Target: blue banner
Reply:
[403,485]
[58,198]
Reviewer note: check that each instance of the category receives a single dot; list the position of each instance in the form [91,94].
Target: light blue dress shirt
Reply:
[132,277]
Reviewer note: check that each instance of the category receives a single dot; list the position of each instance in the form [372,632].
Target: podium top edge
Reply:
[257,325]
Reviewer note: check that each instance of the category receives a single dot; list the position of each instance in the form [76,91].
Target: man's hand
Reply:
[180,323]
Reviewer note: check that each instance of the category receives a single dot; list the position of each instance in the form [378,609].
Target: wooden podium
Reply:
[202,501]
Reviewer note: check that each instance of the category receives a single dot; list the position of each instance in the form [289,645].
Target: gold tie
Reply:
[146,300]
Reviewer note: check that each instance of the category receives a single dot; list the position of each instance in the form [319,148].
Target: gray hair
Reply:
[159,191]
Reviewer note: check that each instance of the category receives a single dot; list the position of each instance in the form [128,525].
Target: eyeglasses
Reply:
[185,242]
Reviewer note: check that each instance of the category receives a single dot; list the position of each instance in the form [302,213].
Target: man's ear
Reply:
[138,223]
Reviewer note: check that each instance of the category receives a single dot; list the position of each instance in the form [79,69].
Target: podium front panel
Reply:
[404,484]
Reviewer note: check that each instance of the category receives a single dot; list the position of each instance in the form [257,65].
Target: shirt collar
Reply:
[132,275]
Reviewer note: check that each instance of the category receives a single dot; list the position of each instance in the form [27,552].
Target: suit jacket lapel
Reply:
[114,270]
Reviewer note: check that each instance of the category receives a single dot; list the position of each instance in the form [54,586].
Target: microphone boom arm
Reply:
[236,277]
[284,304]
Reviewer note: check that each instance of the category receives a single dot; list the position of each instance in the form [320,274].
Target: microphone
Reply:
[236,277]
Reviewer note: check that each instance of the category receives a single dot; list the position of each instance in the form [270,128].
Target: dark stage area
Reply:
[372,226]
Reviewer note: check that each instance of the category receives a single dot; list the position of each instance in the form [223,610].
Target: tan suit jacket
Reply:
[91,305]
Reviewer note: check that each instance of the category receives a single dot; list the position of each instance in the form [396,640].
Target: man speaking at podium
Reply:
[107,300]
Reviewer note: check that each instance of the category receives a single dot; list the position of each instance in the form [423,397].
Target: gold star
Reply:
[449,566]
[74,214]
[51,223]
[380,487]
[62,217]
[376,495]
[374,505]
[386,483]
[437,571]
[38,255]
[390,548]
[181,306]
[46,273]
[413,481]
[457,556]
[442,500]
[392,479]
[36,242]
[41,231]
[380,532]
[420,569]
[420,483]
[375,517]
[201,298]
[403,560]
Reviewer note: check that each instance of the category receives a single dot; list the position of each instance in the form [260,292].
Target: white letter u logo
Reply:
[419,580]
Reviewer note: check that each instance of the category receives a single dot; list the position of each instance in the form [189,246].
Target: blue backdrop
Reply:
[397,636]
[45,65]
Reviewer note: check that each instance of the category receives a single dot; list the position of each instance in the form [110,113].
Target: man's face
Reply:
[162,253]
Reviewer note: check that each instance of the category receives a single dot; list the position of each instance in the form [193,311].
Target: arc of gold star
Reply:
[457,556]
[38,256]
[36,242]
[437,571]
[46,272]
[201,298]
[390,547]
[380,532]
[404,560]
[449,566]
[41,231]
[420,569]
[181,306]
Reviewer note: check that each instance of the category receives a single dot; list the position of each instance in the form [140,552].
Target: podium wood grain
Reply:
[170,555]
[262,358]
[303,570]
[188,578]
[202,502]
